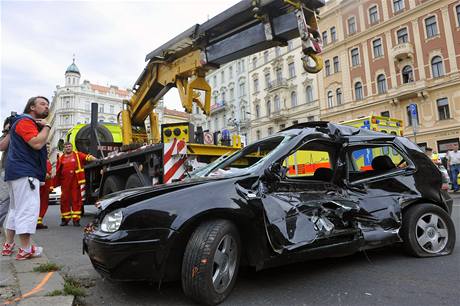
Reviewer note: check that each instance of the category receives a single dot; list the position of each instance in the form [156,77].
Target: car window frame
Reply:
[411,166]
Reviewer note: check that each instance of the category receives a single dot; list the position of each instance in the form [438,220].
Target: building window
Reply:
[402,36]
[309,92]
[254,62]
[279,74]
[407,74]
[232,93]
[256,85]
[333,34]
[257,111]
[359,91]
[338,96]
[443,108]
[277,103]
[230,72]
[310,118]
[373,15]
[327,67]
[293,99]
[242,89]
[269,108]
[436,67]
[354,57]
[324,38]
[291,67]
[277,51]
[377,47]
[267,80]
[214,79]
[265,57]
[101,108]
[295,122]
[87,106]
[112,109]
[398,5]
[282,126]
[457,8]
[330,102]
[381,84]
[431,27]
[222,76]
[351,25]
[336,64]
[290,45]
[270,130]
[409,115]
[258,135]
[385,114]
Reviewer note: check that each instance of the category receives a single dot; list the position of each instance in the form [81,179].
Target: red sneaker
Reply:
[35,252]
[8,249]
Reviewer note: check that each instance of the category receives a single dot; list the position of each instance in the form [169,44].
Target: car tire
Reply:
[134,181]
[427,231]
[211,261]
[112,184]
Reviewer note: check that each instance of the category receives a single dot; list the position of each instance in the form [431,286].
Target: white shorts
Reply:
[24,206]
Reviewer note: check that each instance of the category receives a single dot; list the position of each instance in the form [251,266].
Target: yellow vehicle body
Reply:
[378,124]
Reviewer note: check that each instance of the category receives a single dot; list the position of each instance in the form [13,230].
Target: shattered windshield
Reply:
[247,159]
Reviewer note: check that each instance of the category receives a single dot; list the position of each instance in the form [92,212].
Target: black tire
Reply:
[134,181]
[112,184]
[200,262]
[427,231]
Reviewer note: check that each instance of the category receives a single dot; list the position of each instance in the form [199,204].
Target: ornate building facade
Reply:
[383,55]
[280,91]
[71,104]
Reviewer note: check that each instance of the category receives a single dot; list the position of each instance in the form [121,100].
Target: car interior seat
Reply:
[382,163]
[323,174]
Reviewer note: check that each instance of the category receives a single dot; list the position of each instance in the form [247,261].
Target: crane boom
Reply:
[247,27]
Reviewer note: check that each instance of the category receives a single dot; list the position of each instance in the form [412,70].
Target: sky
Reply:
[110,40]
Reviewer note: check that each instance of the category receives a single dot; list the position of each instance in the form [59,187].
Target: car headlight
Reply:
[112,221]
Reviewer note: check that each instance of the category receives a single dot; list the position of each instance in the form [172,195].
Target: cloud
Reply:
[109,38]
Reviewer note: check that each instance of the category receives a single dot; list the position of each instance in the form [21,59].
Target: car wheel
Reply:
[211,262]
[427,230]
[112,184]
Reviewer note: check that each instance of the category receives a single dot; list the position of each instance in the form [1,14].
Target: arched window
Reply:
[330,103]
[381,84]
[269,108]
[293,99]
[407,74]
[436,67]
[359,91]
[338,94]
[277,103]
[309,92]
[257,111]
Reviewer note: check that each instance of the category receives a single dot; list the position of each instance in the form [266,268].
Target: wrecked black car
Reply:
[311,191]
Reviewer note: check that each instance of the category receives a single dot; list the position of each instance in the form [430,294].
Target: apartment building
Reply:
[383,55]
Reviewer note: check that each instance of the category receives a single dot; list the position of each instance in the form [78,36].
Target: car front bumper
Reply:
[129,255]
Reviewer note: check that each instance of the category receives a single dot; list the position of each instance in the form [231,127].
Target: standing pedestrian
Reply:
[24,170]
[71,176]
[45,192]
[4,194]
[453,162]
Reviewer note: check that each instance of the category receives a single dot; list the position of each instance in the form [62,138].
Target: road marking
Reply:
[34,290]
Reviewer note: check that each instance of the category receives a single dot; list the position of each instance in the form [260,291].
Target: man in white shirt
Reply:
[453,162]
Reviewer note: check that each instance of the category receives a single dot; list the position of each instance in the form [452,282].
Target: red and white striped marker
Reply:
[174,157]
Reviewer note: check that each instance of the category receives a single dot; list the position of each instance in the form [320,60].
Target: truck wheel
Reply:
[112,184]
[427,230]
[211,261]
[133,181]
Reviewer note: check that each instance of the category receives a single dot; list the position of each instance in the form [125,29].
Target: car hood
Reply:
[131,196]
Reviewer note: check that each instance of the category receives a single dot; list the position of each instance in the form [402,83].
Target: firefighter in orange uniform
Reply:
[70,175]
[45,193]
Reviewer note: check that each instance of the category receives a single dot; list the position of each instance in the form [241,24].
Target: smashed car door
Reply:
[377,182]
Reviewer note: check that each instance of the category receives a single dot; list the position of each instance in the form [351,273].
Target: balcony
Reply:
[277,84]
[279,115]
[218,107]
[402,51]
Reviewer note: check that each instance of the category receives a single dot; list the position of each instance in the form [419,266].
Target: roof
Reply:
[72,68]
[172,112]
[105,89]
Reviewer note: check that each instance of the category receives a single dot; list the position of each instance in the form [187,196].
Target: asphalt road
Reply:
[378,277]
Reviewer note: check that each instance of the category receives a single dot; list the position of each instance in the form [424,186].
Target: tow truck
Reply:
[248,27]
